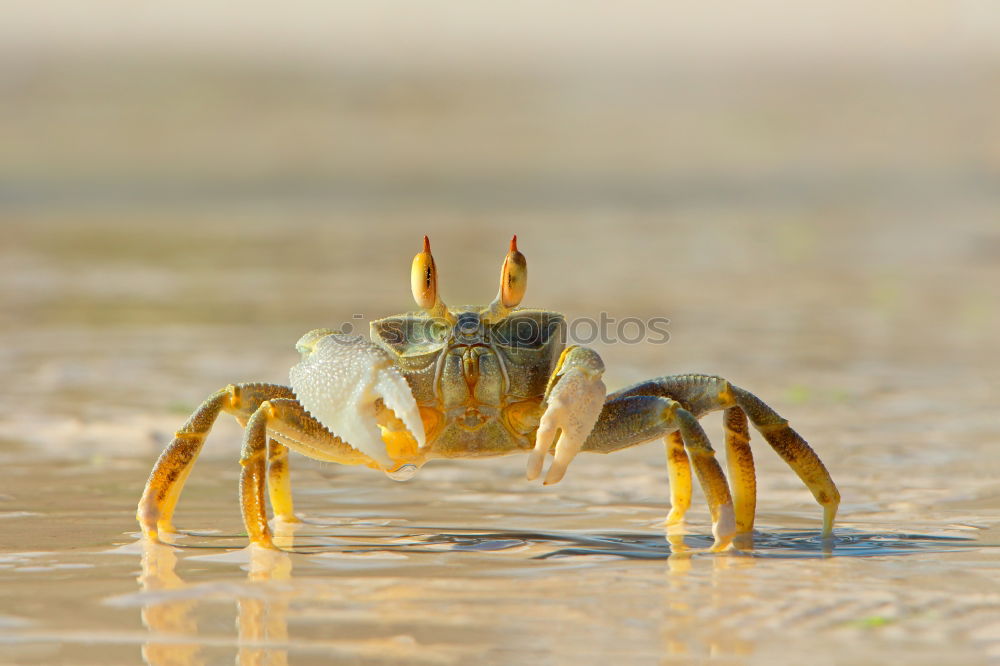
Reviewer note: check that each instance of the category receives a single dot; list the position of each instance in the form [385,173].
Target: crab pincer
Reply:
[346,383]
[573,404]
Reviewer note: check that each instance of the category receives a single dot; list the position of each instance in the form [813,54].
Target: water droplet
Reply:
[403,472]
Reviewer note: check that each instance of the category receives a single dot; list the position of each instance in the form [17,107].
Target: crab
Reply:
[476,382]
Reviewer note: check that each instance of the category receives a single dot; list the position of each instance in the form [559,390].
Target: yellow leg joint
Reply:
[679,473]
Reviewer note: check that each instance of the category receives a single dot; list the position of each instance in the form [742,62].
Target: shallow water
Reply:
[420,573]
[468,561]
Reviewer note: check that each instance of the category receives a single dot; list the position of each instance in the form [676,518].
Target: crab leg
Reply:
[700,394]
[708,393]
[679,473]
[274,427]
[163,489]
[630,420]
[739,460]
[796,453]
[709,473]
[253,459]
[279,485]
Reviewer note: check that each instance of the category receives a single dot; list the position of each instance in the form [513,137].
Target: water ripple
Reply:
[781,544]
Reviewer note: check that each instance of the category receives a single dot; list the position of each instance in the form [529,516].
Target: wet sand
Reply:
[827,241]
[468,560]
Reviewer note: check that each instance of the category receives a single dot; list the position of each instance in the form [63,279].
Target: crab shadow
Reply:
[640,546]
[785,544]
[779,544]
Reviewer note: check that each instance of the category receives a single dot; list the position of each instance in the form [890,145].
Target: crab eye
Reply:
[407,337]
[437,330]
[524,332]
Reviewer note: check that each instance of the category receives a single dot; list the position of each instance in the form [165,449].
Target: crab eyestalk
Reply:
[513,283]
[423,282]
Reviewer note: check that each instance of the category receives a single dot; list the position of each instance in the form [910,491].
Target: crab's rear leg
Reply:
[742,476]
[743,482]
[679,473]
[705,393]
[163,489]
[701,394]
[626,421]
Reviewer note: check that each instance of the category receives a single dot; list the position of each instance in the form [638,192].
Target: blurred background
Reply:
[185,188]
[808,191]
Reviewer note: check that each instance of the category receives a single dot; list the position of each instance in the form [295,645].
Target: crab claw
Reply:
[340,380]
[573,406]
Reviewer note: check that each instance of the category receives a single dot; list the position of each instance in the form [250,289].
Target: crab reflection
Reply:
[263,599]
[262,623]
[171,618]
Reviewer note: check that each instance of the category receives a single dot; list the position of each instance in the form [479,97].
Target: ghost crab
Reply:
[476,382]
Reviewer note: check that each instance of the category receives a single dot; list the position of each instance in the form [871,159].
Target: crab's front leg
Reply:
[573,402]
[260,453]
[163,489]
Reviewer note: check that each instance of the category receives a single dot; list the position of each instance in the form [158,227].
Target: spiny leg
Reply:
[163,489]
[630,420]
[707,393]
[742,479]
[289,425]
[710,476]
[795,451]
[253,479]
[679,473]
[701,394]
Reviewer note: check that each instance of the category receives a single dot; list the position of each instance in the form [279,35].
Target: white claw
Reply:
[338,381]
[396,394]
[573,408]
